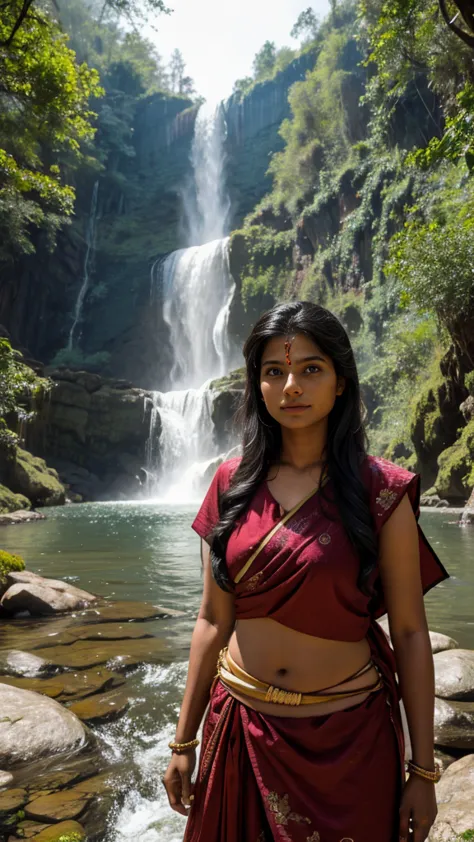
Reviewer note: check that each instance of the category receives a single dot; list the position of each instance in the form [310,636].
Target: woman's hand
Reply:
[177,781]
[418,803]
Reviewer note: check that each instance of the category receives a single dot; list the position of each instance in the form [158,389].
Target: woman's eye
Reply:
[272,369]
[316,367]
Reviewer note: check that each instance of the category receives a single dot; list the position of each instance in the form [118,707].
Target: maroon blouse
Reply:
[306,576]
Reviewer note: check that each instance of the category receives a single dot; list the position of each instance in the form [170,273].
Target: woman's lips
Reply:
[295,409]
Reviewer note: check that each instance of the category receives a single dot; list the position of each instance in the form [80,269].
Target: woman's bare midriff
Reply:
[300,662]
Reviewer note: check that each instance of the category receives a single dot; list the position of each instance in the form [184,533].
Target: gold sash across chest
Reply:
[268,537]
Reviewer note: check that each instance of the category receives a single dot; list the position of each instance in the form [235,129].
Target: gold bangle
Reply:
[180,747]
[427,774]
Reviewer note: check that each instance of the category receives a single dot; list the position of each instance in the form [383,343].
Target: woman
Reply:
[306,540]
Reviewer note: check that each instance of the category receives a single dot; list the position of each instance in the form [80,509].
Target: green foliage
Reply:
[44,119]
[74,358]
[433,259]
[10,563]
[466,836]
[457,141]
[316,137]
[456,466]
[306,26]
[469,382]
[16,379]
[11,502]
[264,61]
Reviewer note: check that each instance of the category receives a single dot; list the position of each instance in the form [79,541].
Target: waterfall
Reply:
[90,244]
[195,288]
[205,199]
[185,444]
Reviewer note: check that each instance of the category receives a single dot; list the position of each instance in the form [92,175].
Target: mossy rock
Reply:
[11,502]
[9,563]
[235,380]
[31,476]
[455,477]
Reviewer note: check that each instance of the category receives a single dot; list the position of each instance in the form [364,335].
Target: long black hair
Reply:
[261,436]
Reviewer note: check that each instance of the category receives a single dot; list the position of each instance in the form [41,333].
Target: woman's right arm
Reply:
[214,626]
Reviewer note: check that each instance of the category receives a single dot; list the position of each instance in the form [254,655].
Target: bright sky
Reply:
[219,38]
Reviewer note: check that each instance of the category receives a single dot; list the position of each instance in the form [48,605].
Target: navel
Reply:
[282,671]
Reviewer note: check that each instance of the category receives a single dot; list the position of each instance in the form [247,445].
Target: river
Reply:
[147,551]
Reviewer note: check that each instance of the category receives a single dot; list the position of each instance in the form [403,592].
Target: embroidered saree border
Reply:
[275,529]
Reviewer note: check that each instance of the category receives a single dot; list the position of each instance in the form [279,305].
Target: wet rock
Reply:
[6,778]
[454,724]
[28,576]
[34,726]
[39,600]
[102,631]
[21,516]
[12,799]
[454,674]
[57,807]
[441,642]
[62,832]
[70,686]
[468,513]
[101,707]
[28,829]
[97,785]
[14,662]
[121,654]
[443,760]
[124,611]
[30,476]
[455,801]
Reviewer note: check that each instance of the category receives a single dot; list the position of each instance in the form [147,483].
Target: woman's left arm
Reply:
[401,580]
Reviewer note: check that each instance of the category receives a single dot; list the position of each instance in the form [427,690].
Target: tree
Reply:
[176,70]
[307,25]
[44,120]
[18,12]
[264,61]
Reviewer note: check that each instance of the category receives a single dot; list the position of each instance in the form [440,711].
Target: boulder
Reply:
[34,726]
[455,802]
[454,674]
[29,475]
[441,642]
[11,502]
[12,799]
[468,513]
[14,662]
[22,516]
[14,577]
[6,779]
[454,724]
[40,597]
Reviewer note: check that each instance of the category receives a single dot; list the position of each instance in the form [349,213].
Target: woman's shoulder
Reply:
[377,466]
[386,484]
[227,469]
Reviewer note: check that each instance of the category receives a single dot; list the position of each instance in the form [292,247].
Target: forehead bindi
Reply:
[291,350]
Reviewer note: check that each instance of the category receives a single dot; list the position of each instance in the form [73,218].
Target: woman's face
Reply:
[295,373]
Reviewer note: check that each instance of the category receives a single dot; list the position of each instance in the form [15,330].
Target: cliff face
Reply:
[253,124]
[138,220]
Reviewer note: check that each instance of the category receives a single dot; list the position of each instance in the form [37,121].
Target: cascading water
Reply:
[90,244]
[196,290]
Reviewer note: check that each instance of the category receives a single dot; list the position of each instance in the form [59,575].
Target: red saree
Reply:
[330,778]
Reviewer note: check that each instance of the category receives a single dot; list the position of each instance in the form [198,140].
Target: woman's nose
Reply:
[292,384]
